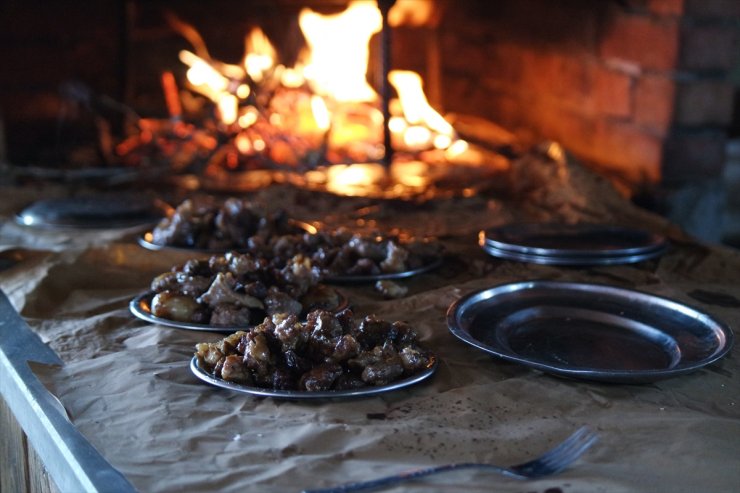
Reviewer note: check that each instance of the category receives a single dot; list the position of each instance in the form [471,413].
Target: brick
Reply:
[704,102]
[666,7]
[711,47]
[628,150]
[458,54]
[654,102]
[555,74]
[652,43]
[690,156]
[612,92]
[508,63]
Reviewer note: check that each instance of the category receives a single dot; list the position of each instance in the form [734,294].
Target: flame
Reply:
[339,45]
[412,13]
[260,54]
[416,108]
[320,113]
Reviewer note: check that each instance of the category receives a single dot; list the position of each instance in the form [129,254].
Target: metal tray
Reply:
[106,211]
[572,242]
[589,331]
[140,307]
[305,395]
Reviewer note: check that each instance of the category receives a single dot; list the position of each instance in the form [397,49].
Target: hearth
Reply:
[637,89]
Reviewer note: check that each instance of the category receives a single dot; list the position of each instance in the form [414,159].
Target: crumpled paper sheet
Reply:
[127,386]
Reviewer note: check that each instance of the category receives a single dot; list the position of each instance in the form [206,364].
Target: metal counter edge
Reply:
[73,463]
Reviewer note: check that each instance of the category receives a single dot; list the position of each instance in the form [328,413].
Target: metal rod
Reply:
[385,89]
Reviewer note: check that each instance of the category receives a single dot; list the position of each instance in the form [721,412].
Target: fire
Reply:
[259,56]
[339,51]
[320,113]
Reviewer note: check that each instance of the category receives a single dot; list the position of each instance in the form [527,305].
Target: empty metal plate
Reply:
[589,331]
[94,212]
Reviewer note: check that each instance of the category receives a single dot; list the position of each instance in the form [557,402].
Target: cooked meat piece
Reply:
[279,302]
[232,342]
[299,274]
[373,332]
[321,297]
[283,379]
[286,246]
[219,263]
[229,315]
[192,285]
[391,289]
[208,355]
[395,260]
[244,266]
[256,289]
[234,370]
[257,355]
[221,291]
[403,333]
[296,363]
[413,360]
[363,267]
[371,248]
[343,260]
[347,320]
[345,348]
[291,333]
[196,267]
[382,365]
[236,221]
[182,229]
[320,377]
[323,325]
[165,282]
[348,381]
[174,306]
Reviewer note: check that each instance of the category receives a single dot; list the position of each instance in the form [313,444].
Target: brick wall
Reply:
[640,89]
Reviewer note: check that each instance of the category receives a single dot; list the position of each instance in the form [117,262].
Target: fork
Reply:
[551,462]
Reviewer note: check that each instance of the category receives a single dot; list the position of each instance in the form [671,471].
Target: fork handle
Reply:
[412,474]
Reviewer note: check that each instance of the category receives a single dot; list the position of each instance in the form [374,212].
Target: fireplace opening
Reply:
[641,91]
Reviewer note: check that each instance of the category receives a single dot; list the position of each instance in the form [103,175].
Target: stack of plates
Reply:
[572,244]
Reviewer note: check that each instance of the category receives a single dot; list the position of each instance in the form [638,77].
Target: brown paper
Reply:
[127,386]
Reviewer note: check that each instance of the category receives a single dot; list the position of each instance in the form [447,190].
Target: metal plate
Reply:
[572,241]
[303,395]
[92,212]
[140,307]
[573,261]
[589,331]
[353,279]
